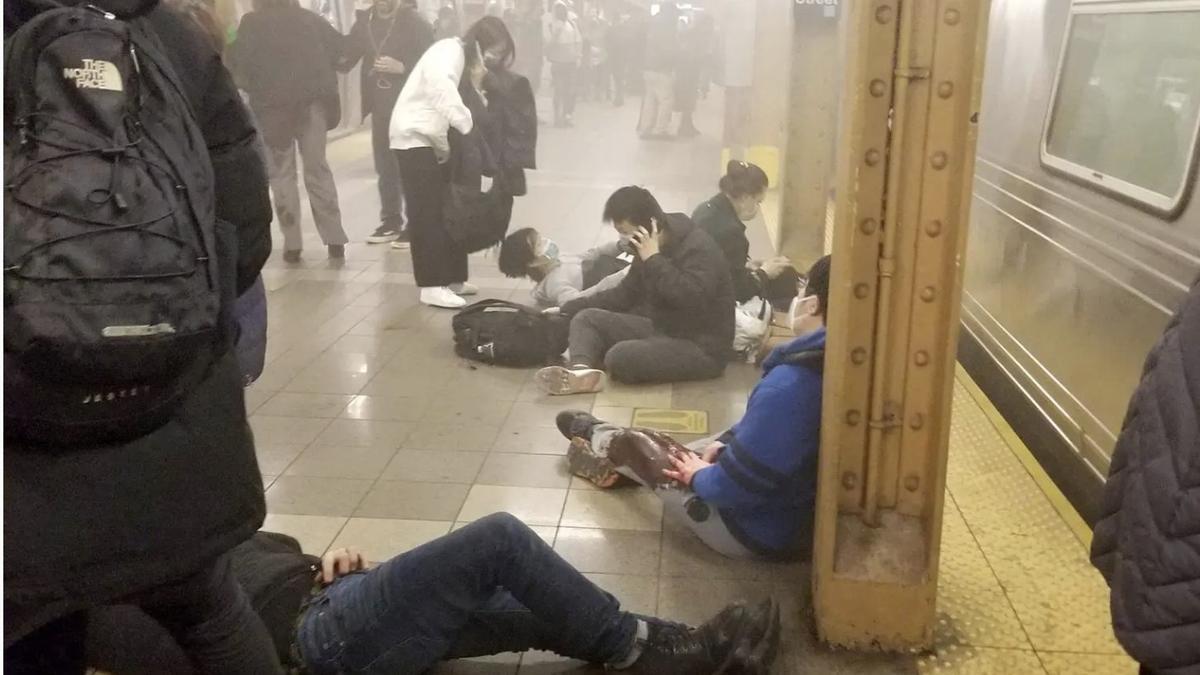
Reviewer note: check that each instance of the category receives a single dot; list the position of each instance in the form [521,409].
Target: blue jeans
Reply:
[492,586]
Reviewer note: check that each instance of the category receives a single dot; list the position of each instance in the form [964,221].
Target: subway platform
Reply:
[371,432]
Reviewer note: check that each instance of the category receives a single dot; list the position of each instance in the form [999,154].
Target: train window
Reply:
[1126,109]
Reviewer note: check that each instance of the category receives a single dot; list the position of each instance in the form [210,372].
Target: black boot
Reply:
[576,424]
[727,644]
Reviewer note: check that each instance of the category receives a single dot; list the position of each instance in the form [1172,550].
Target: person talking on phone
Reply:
[389,39]
[669,320]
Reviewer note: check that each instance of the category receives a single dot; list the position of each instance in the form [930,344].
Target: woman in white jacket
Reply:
[428,106]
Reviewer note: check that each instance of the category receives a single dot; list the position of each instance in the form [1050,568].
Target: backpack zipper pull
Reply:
[102,12]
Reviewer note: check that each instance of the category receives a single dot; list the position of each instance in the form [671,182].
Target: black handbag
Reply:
[476,220]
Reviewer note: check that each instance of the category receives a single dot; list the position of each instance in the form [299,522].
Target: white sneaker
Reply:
[465,288]
[559,381]
[440,296]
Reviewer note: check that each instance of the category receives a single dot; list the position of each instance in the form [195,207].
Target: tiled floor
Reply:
[370,432]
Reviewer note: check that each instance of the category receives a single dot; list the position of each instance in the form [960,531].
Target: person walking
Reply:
[148,521]
[564,51]
[388,39]
[660,64]
[274,42]
[429,105]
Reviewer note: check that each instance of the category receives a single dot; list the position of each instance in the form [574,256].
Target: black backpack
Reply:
[112,292]
[505,333]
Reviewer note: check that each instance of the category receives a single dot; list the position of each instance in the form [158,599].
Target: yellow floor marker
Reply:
[671,421]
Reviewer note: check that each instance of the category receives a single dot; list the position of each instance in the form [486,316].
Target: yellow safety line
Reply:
[1057,499]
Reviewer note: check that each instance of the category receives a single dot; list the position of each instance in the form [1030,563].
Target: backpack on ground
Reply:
[505,333]
[112,291]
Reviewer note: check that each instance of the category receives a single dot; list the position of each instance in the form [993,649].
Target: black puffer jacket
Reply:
[685,290]
[86,526]
[1147,544]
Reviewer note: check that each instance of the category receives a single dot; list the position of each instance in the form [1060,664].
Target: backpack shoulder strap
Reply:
[812,359]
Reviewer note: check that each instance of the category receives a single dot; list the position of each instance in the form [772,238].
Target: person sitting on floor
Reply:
[492,586]
[751,492]
[724,218]
[669,320]
[527,254]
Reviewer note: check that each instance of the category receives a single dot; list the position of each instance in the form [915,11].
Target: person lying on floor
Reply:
[493,586]
[750,493]
[560,278]
[669,320]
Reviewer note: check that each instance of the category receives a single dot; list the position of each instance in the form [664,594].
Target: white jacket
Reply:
[429,103]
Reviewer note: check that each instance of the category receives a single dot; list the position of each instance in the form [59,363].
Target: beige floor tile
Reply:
[267,479]
[288,404]
[619,395]
[472,410]
[534,506]
[531,394]
[326,381]
[694,601]
[452,437]
[366,433]
[381,539]
[623,509]
[395,384]
[531,440]
[1074,663]
[325,461]
[526,414]
[270,430]
[387,408]
[256,396]
[315,533]
[524,471]
[619,415]
[638,594]
[609,551]
[350,362]
[413,501]
[275,459]
[307,496]
[434,466]
[381,345]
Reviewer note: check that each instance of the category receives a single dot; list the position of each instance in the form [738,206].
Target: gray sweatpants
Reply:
[712,530]
[318,180]
[627,347]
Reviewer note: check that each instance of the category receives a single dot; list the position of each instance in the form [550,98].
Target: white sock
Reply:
[635,650]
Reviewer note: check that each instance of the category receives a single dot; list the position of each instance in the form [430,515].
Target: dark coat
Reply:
[284,57]
[410,35]
[685,290]
[1147,543]
[513,132]
[84,527]
[718,218]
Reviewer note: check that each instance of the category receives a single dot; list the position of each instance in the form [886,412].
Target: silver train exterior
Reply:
[1085,225]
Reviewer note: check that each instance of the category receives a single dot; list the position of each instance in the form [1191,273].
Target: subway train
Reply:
[1085,225]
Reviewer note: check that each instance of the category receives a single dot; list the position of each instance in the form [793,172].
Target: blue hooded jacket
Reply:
[765,483]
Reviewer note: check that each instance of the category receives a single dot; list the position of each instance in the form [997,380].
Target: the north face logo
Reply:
[95,74]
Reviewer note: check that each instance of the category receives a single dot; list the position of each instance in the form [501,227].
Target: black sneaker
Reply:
[383,234]
[576,424]
[737,640]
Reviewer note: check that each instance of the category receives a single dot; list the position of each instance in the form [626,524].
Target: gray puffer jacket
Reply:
[1147,543]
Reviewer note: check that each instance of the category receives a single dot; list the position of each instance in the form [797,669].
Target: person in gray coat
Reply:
[1147,542]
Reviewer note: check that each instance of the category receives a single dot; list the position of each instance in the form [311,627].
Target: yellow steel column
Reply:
[906,158]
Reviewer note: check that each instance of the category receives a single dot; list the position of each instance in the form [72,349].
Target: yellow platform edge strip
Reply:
[1057,499]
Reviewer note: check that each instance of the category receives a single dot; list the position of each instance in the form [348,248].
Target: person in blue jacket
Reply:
[751,492]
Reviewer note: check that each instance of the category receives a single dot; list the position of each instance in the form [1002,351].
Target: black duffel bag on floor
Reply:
[506,333]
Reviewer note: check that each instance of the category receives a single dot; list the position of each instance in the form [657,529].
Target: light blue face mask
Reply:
[549,249]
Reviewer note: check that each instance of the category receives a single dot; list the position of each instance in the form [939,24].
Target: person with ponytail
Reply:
[724,218]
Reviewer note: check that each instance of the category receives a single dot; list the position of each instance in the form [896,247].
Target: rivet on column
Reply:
[933,228]
[911,483]
[921,358]
[916,421]
[952,17]
[928,294]
[883,14]
[878,88]
[849,480]
[873,157]
[861,291]
[867,226]
[853,417]
[945,89]
[858,356]
[939,160]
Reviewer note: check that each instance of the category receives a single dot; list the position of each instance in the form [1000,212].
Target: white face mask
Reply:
[802,315]
[549,249]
